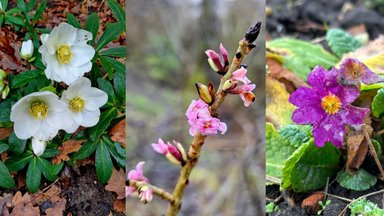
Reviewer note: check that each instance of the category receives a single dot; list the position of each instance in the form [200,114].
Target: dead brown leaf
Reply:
[58,209]
[26,210]
[311,203]
[68,147]
[117,183]
[5,132]
[357,147]
[119,205]
[5,200]
[118,133]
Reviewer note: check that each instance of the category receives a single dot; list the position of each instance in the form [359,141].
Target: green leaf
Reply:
[15,164]
[104,122]
[277,151]
[40,10]
[21,4]
[115,149]
[17,20]
[50,153]
[301,56]
[95,73]
[92,25]
[378,104]
[86,150]
[111,33]
[309,167]
[24,78]
[5,113]
[1,19]
[108,67]
[36,84]
[114,52]
[47,169]
[107,87]
[33,176]
[119,84]
[48,88]
[3,147]
[103,162]
[31,4]
[295,135]
[16,145]
[4,3]
[117,10]
[341,42]
[361,181]
[6,178]
[72,20]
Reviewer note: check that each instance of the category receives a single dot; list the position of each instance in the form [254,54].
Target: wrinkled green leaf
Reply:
[92,24]
[378,104]
[111,33]
[295,135]
[103,163]
[361,181]
[6,178]
[341,42]
[33,177]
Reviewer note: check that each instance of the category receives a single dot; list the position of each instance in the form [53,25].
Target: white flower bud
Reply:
[26,51]
[38,146]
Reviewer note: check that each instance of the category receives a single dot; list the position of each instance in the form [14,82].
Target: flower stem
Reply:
[373,152]
[158,191]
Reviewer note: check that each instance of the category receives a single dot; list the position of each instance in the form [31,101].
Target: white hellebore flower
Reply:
[38,146]
[66,53]
[83,103]
[26,51]
[38,115]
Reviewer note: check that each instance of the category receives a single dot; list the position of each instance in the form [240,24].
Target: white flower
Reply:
[26,51]
[83,103]
[40,115]
[38,146]
[66,53]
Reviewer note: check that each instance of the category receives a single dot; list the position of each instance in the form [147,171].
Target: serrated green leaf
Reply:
[117,10]
[107,87]
[47,169]
[301,56]
[361,181]
[16,145]
[104,122]
[6,178]
[111,33]
[108,67]
[309,167]
[378,104]
[3,147]
[277,151]
[40,10]
[295,135]
[15,164]
[33,177]
[341,42]
[5,107]
[86,150]
[24,78]
[72,20]
[119,85]
[92,24]
[103,163]
[114,52]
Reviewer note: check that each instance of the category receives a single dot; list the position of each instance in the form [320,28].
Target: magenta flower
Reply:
[145,193]
[214,60]
[245,90]
[327,107]
[208,126]
[240,75]
[174,153]
[352,72]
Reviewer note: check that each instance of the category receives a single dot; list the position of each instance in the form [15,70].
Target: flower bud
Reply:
[26,51]
[146,194]
[229,85]
[5,92]
[38,146]
[211,89]
[204,93]
[181,150]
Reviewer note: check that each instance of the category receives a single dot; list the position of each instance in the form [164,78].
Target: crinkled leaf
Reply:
[33,177]
[301,57]
[341,42]
[6,178]
[103,163]
[296,135]
[378,104]
[309,167]
[111,33]
[361,181]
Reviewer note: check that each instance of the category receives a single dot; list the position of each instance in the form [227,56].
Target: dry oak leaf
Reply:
[118,133]
[116,183]
[68,147]
[58,209]
[357,151]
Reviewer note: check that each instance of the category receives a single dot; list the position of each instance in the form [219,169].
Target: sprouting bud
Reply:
[26,51]
[204,93]
[5,92]
[181,150]
[253,32]
[3,75]
[38,146]
[215,62]
[229,85]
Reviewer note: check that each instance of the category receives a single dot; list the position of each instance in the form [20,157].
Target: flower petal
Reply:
[82,54]
[67,34]
[310,114]
[354,116]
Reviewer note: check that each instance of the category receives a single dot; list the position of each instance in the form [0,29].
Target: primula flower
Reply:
[145,193]
[66,53]
[26,51]
[214,60]
[245,90]
[352,72]
[201,121]
[83,102]
[327,107]
[38,146]
[174,153]
[40,114]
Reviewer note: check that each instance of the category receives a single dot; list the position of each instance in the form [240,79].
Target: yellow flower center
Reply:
[77,104]
[38,110]
[64,54]
[331,104]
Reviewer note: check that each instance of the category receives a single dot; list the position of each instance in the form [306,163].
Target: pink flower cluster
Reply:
[244,90]
[174,153]
[201,121]
[145,192]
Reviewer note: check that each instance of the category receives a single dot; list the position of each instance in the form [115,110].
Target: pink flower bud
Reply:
[171,152]
[214,60]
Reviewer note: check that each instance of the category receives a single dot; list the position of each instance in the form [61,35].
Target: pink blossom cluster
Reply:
[145,192]
[201,121]
[244,90]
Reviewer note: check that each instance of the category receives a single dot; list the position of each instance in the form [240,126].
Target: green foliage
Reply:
[117,10]
[271,207]
[103,162]
[33,177]
[295,135]
[92,25]
[378,104]
[112,31]
[24,78]
[301,56]
[323,206]
[309,167]
[366,208]
[360,181]
[341,42]
[6,178]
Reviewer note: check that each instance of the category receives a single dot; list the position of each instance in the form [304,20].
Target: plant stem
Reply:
[373,151]
[158,191]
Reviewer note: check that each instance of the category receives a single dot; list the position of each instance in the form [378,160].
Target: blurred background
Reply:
[166,41]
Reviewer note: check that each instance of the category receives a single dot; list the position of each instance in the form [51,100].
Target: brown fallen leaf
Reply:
[5,132]
[52,194]
[5,200]
[118,133]
[311,203]
[117,183]
[68,147]
[357,147]
[26,210]
[119,205]
[58,209]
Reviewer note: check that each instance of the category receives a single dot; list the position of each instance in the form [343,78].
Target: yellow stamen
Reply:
[38,110]
[331,104]
[77,104]
[64,54]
